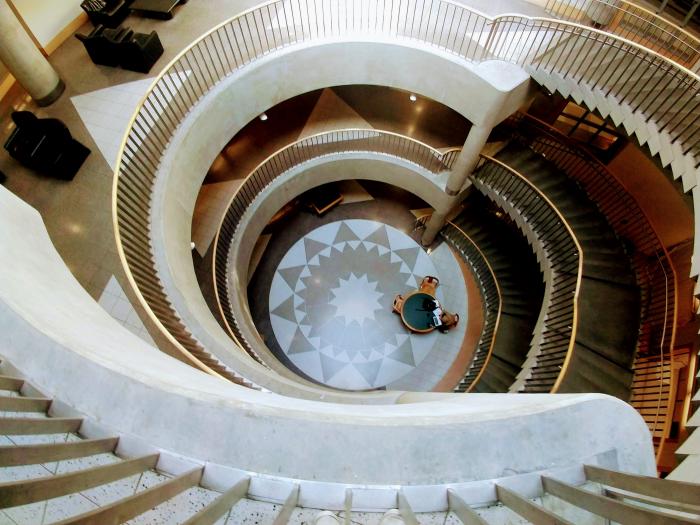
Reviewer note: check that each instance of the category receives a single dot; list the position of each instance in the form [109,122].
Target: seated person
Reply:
[448,321]
[430,305]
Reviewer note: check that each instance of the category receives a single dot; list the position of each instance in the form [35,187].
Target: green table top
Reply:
[417,311]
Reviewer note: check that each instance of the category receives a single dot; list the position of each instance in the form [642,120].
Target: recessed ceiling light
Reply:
[263,117]
[413,98]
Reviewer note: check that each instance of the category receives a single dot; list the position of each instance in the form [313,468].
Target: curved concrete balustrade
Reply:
[543,46]
[58,336]
[496,89]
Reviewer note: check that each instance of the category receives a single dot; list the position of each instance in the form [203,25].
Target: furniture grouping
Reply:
[420,310]
[110,44]
[111,13]
[122,47]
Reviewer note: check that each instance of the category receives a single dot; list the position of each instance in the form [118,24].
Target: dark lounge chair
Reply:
[160,9]
[102,45]
[45,145]
[140,52]
[107,13]
[122,47]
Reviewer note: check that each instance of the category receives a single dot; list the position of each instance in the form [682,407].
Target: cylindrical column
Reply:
[434,225]
[467,158]
[25,62]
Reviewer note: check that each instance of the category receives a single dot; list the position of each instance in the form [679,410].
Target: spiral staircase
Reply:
[99,427]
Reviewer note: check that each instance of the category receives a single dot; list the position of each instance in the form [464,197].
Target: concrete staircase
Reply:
[652,109]
[53,469]
[521,288]
[52,472]
[608,305]
[608,297]
[654,114]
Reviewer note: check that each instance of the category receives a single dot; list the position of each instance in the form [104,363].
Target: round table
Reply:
[416,313]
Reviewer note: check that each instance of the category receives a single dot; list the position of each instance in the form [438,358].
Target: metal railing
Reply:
[633,22]
[292,156]
[650,261]
[491,298]
[553,344]
[648,82]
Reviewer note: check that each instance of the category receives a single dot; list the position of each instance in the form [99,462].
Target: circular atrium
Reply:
[349,261]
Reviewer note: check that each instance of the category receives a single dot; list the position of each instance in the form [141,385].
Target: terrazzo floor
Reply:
[322,293]
[331,304]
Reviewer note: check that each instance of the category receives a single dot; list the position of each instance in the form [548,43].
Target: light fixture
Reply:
[263,117]
[412,97]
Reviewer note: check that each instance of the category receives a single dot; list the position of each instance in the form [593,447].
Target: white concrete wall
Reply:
[57,335]
[47,18]
[483,93]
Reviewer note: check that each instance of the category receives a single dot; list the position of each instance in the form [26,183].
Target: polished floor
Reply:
[322,288]
[331,304]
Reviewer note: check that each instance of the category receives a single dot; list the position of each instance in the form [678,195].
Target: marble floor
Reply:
[367,247]
[330,304]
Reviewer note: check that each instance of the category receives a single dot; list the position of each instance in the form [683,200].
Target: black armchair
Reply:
[122,47]
[103,44]
[45,145]
[108,13]
[140,51]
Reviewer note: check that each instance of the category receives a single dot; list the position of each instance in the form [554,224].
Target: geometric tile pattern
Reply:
[330,304]
[107,112]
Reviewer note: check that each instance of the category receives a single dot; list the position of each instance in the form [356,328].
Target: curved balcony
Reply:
[541,45]
[333,145]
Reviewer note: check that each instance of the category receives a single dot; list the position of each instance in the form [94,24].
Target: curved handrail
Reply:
[630,221]
[486,161]
[483,354]
[291,156]
[537,43]
[634,22]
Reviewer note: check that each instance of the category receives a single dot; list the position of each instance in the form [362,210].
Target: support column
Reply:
[25,62]
[468,158]
[433,226]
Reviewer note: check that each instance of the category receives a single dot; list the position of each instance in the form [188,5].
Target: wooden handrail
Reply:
[474,382]
[579,265]
[629,219]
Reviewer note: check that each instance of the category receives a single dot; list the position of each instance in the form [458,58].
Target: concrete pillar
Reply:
[25,62]
[467,159]
[433,226]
